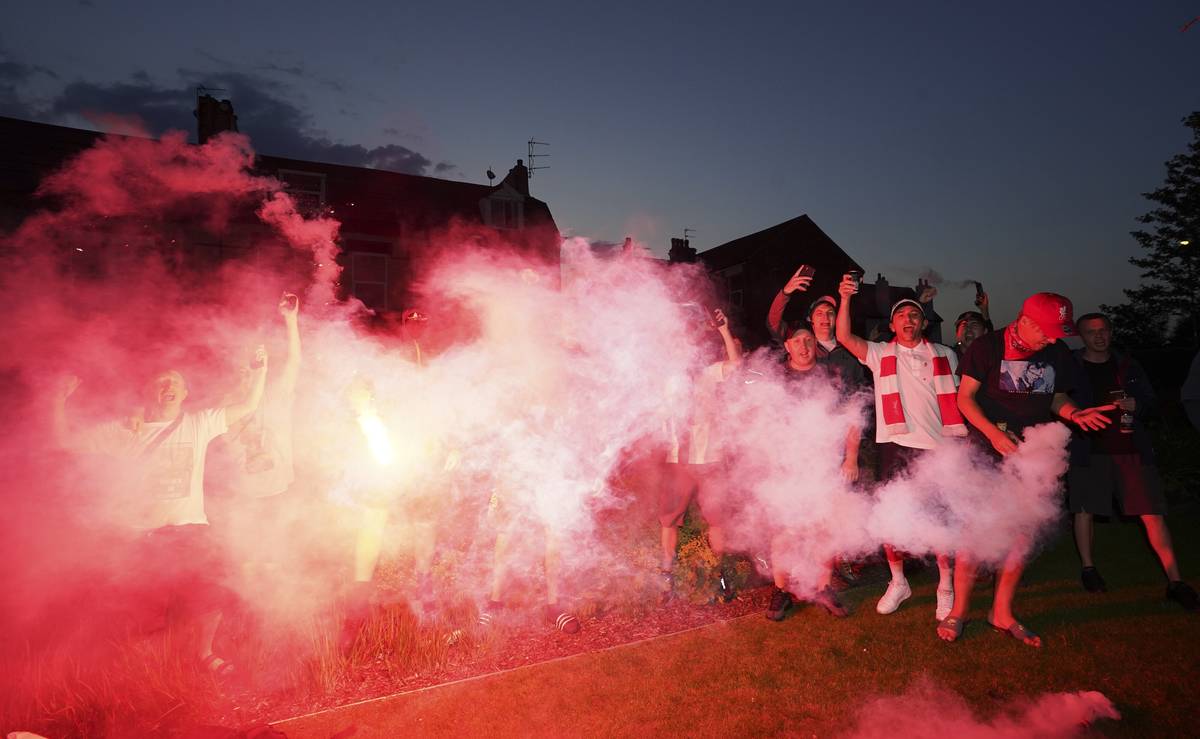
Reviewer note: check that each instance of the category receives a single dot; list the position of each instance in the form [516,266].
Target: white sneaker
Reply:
[945,602]
[897,592]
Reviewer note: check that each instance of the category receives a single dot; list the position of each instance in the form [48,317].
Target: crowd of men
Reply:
[985,390]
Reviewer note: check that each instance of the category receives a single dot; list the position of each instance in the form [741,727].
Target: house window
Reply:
[735,282]
[306,188]
[369,279]
[505,213]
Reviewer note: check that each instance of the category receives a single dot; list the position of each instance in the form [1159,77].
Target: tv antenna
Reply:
[533,157]
[688,233]
[202,90]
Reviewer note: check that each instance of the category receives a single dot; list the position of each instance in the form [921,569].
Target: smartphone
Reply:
[807,271]
[978,290]
[857,275]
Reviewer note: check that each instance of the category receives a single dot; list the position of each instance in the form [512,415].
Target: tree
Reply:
[1164,309]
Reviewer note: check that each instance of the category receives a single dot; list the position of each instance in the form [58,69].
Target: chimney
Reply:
[213,117]
[518,177]
[681,251]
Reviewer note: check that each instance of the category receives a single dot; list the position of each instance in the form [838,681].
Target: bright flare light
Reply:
[378,440]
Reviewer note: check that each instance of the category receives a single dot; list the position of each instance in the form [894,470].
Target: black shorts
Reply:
[893,460]
[1137,486]
[180,569]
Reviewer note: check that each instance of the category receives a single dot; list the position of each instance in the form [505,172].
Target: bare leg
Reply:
[369,543]
[208,624]
[1160,541]
[778,573]
[424,543]
[551,563]
[826,579]
[716,539]
[1006,587]
[500,563]
[1084,531]
[895,562]
[670,540]
[945,572]
[964,581]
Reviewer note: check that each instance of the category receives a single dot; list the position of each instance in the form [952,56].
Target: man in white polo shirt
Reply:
[916,410]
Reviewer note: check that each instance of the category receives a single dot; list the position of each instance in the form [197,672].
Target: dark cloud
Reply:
[14,75]
[391,131]
[274,121]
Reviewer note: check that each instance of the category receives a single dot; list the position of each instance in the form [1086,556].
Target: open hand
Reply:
[1093,419]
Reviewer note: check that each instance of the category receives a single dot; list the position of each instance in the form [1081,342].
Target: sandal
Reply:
[217,667]
[562,620]
[1018,631]
[950,628]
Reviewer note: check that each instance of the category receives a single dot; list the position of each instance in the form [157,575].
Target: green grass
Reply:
[810,674]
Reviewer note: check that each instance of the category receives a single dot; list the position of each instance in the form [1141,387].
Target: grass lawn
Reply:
[811,674]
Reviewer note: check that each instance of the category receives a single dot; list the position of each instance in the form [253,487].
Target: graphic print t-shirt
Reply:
[1017,391]
[166,484]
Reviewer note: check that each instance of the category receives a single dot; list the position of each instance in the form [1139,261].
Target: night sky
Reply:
[1009,145]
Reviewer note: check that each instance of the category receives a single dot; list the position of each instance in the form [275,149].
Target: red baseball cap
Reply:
[1051,312]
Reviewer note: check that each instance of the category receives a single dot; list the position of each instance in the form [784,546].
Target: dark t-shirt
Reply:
[849,369]
[1018,392]
[821,375]
[1104,378]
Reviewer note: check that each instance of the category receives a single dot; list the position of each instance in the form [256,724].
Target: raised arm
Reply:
[289,308]
[798,283]
[237,411]
[856,345]
[733,352]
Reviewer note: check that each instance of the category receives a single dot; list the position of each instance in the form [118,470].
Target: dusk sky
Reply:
[1009,145]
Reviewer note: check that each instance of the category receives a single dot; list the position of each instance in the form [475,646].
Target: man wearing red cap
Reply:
[1010,380]
[915,411]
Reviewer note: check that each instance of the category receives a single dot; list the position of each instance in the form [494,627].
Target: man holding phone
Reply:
[915,411]
[821,317]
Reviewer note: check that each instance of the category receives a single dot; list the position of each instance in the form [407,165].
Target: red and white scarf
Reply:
[888,387]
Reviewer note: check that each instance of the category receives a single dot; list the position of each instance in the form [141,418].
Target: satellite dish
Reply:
[490,175]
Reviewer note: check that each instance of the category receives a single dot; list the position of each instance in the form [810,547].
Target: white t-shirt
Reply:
[167,485]
[701,435]
[914,375]
[254,458]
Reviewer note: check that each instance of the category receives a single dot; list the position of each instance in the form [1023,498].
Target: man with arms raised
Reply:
[822,315]
[1013,379]
[164,449]
[915,412]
